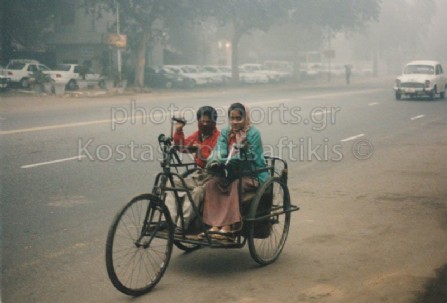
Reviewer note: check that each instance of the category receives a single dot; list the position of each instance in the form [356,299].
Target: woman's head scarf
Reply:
[239,136]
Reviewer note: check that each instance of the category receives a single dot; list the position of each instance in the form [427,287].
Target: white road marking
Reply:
[417,117]
[49,127]
[53,162]
[352,138]
[276,101]
[158,115]
[373,103]
[76,124]
[366,91]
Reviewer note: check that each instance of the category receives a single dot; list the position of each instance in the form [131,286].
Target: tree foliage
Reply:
[144,22]
[404,24]
[25,23]
[335,14]
[147,21]
[245,16]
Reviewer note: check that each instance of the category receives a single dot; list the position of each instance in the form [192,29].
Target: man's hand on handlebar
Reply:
[179,127]
[163,139]
[179,123]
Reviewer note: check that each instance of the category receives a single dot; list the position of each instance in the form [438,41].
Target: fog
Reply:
[405,30]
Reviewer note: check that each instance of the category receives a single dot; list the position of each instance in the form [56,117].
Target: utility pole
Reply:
[329,55]
[118,50]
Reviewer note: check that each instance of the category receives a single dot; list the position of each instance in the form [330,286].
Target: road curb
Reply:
[130,91]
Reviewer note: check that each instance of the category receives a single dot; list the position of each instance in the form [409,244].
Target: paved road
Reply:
[369,174]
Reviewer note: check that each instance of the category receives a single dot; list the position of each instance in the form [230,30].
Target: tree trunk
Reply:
[375,63]
[141,58]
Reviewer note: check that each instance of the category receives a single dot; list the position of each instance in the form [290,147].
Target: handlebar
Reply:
[163,139]
[179,119]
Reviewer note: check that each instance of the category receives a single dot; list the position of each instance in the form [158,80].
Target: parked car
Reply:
[218,76]
[4,80]
[421,78]
[272,75]
[283,68]
[163,78]
[22,71]
[192,76]
[71,74]
[313,70]
[226,72]
[248,76]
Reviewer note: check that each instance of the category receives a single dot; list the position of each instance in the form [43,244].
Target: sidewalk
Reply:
[129,91]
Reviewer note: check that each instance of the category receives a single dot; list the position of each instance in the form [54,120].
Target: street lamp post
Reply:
[118,50]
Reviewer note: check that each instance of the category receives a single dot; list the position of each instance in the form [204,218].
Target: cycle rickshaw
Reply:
[142,235]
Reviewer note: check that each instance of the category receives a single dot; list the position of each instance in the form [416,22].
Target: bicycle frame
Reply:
[164,182]
[144,228]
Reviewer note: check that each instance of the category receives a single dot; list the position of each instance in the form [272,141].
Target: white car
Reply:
[251,77]
[71,74]
[217,75]
[4,81]
[421,78]
[283,68]
[192,75]
[22,71]
[272,75]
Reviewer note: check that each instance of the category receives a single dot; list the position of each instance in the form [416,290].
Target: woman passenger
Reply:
[221,202]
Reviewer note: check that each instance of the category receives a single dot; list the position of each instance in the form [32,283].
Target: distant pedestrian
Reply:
[348,72]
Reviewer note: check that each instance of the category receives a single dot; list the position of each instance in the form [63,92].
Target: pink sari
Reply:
[221,201]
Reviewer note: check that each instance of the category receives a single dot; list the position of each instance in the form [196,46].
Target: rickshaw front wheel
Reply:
[139,245]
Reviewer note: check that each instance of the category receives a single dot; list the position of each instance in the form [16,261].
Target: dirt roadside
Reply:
[377,229]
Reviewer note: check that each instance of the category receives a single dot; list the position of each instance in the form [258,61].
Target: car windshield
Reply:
[44,67]
[15,65]
[419,69]
[63,67]
[210,69]
[188,69]
[171,70]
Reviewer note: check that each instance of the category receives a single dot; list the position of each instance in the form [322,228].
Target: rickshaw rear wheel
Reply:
[267,236]
[139,245]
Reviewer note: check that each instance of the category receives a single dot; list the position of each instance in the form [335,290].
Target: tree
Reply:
[144,22]
[332,16]
[400,33]
[249,15]
[335,14]
[25,24]
[402,29]
[245,16]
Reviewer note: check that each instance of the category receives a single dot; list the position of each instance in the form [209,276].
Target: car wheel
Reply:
[71,85]
[398,96]
[24,83]
[432,94]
